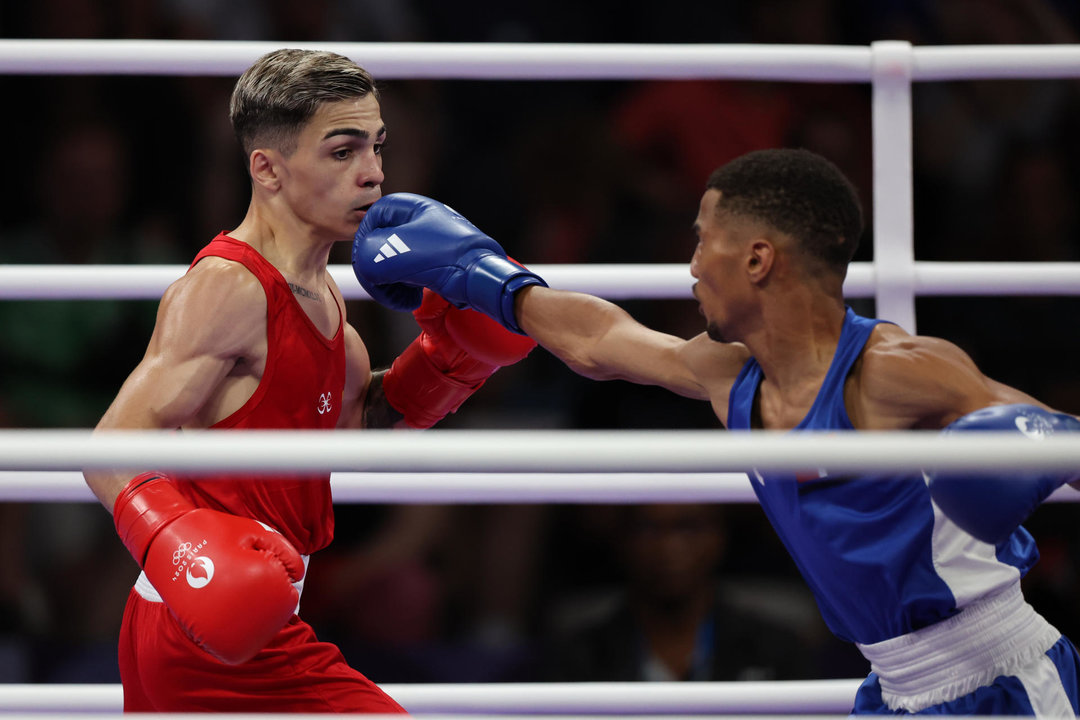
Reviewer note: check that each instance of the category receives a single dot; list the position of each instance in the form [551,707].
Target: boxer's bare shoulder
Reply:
[917,381]
[219,304]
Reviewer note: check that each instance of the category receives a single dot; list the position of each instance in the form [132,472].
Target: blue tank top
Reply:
[880,558]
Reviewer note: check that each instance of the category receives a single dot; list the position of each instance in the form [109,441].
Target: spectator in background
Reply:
[431,593]
[56,365]
[23,607]
[673,618]
[59,357]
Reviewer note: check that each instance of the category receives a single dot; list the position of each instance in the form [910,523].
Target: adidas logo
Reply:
[393,246]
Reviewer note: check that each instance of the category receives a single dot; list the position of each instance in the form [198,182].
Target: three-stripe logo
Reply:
[393,246]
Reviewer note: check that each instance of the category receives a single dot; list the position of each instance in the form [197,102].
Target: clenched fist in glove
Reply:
[407,242]
[992,506]
[226,579]
[455,352]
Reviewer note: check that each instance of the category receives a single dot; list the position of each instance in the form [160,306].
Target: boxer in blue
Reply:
[921,573]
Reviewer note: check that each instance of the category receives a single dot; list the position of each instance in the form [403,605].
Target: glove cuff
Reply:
[422,392]
[146,505]
[493,280]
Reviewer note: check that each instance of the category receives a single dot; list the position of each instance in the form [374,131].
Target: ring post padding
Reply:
[894,233]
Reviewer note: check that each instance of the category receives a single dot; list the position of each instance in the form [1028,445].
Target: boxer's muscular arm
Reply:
[451,256]
[207,322]
[205,356]
[909,381]
[601,341]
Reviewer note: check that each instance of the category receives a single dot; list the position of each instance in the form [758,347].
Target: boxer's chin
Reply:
[714,333]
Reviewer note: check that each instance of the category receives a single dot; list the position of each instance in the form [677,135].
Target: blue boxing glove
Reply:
[409,242]
[991,507]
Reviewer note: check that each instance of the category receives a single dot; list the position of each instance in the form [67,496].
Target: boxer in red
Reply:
[254,336]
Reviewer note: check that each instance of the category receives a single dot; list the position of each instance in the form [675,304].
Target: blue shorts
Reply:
[1048,687]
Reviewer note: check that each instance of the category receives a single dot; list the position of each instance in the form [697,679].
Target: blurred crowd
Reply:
[138,169]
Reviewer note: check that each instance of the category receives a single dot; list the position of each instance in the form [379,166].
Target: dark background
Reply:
[145,170]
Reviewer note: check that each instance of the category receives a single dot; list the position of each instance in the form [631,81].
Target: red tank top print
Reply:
[300,389]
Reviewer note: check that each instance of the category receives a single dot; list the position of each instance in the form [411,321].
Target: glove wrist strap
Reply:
[492,282]
[146,504]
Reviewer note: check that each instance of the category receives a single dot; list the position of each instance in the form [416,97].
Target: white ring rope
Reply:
[452,488]
[392,487]
[545,61]
[477,61]
[613,281]
[749,697]
[148,282]
[534,451]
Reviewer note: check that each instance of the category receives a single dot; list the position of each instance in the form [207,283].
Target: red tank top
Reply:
[300,389]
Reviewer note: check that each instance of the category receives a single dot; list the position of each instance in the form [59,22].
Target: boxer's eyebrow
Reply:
[354,132]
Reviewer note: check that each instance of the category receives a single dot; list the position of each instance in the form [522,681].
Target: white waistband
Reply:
[993,636]
[147,592]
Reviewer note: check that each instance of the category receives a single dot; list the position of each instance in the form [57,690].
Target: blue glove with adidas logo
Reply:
[990,507]
[407,242]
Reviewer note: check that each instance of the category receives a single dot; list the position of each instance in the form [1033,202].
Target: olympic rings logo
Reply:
[181,551]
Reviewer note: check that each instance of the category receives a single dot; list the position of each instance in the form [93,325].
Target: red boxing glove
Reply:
[455,352]
[226,579]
